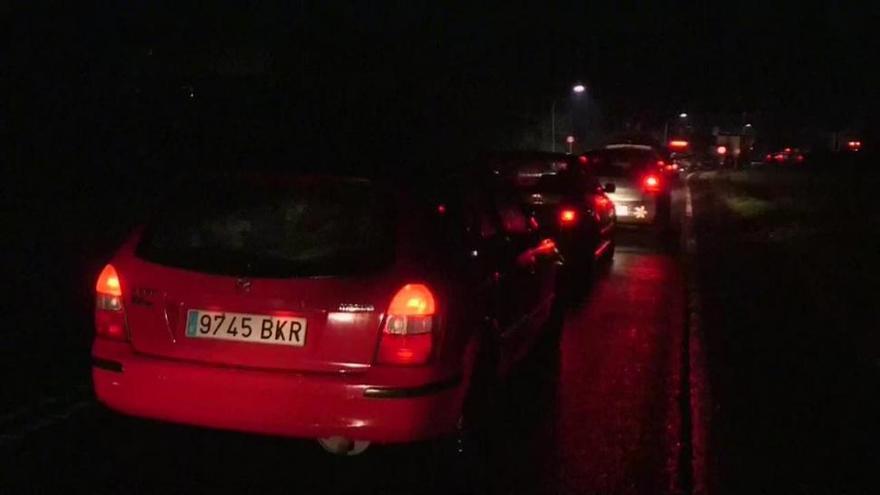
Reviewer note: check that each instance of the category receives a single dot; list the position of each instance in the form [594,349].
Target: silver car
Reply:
[641,184]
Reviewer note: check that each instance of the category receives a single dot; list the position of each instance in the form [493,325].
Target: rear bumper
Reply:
[286,404]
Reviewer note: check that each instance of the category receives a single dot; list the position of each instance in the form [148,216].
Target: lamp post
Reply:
[576,89]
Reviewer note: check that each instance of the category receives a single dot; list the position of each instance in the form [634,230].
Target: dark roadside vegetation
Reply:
[787,271]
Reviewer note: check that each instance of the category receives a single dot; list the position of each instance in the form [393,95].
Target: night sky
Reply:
[415,75]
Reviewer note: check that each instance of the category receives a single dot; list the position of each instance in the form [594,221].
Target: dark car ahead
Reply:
[566,201]
[339,309]
[642,184]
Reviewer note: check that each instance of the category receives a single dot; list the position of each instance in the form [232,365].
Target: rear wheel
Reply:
[608,256]
[463,458]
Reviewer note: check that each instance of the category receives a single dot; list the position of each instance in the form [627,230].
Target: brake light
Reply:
[407,334]
[583,159]
[109,311]
[678,144]
[651,183]
[108,282]
[567,217]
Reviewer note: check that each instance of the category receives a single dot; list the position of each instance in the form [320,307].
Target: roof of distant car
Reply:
[628,146]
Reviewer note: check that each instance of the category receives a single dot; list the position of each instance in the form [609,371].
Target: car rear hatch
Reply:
[282,276]
[545,187]
[626,167]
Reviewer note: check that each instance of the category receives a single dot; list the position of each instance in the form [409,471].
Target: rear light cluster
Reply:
[408,332]
[568,217]
[651,183]
[109,311]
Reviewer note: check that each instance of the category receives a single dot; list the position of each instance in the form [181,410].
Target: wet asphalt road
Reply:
[601,409]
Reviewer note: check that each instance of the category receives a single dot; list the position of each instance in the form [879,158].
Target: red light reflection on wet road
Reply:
[618,423]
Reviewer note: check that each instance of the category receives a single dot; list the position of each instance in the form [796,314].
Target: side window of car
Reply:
[477,216]
[591,182]
[513,219]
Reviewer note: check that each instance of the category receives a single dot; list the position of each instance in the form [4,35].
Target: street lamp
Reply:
[683,115]
[577,89]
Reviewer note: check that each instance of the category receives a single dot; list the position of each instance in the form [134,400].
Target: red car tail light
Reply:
[583,159]
[407,334]
[568,217]
[651,183]
[109,311]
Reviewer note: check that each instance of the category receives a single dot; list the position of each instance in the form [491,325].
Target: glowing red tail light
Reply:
[651,183]
[568,217]
[109,311]
[407,334]
[583,159]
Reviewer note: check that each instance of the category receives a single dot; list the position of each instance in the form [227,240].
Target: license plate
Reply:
[621,210]
[243,327]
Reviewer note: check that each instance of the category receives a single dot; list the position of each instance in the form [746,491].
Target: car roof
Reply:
[629,146]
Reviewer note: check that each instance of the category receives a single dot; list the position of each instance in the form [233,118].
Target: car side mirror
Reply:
[610,187]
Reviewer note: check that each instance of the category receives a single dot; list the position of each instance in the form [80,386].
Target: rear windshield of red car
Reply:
[622,162]
[273,229]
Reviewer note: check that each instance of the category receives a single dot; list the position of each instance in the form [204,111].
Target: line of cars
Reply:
[349,310]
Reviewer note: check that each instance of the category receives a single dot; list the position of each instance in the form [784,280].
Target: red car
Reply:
[337,309]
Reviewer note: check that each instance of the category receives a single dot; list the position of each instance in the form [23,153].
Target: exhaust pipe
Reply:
[343,446]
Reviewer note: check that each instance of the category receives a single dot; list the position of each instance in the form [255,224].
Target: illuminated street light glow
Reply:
[579,88]
[569,139]
[683,115]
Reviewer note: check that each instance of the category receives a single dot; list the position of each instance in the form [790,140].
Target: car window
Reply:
[258,229]
[622,162]
[513,218]
[529,174]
